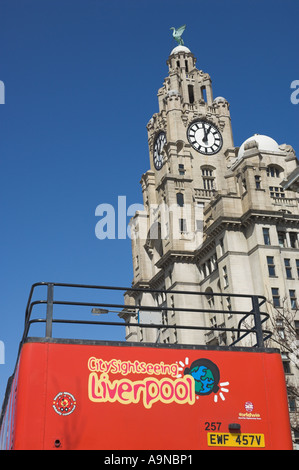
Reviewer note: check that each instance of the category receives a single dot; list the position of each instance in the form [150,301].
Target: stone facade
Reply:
[216,219]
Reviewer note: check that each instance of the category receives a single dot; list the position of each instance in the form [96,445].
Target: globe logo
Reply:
[206,376]
[248,406]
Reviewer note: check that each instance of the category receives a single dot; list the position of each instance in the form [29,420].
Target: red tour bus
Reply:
[98,394]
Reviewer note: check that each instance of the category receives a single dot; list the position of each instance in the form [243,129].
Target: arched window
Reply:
[210,297]
[180,199]
[273,171]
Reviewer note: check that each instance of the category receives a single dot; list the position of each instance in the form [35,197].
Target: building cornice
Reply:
[252,215]
[175,255]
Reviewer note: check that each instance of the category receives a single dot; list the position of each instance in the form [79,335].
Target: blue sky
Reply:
[81,78]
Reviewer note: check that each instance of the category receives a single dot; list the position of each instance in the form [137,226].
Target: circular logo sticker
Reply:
[248,406]
[64,403]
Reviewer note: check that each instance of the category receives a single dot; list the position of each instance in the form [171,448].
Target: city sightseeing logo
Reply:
[166,383]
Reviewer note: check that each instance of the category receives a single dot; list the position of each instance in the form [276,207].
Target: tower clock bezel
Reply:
[159,142]
[203,142]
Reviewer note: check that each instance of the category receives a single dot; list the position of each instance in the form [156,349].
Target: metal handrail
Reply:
[257,302]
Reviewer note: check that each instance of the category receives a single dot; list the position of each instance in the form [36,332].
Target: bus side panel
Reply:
[277,402]
[31,397]
[105,397]
[86,396]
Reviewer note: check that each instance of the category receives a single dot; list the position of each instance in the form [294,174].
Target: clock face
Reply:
[158,147]
[204,137]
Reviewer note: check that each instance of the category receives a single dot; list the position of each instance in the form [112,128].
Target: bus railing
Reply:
[255,313]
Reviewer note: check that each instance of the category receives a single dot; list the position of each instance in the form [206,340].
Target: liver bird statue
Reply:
[177,34]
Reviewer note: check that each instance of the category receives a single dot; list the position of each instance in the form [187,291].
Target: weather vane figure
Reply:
[177,34]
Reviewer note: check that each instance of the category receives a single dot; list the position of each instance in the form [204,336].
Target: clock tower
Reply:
[218,220]
[189,140]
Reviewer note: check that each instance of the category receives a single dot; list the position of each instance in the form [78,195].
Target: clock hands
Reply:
[158,150]
[160,145]
[206,132]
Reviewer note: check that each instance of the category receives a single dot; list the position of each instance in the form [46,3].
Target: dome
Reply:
[219,98]
[263,142]
[179,49]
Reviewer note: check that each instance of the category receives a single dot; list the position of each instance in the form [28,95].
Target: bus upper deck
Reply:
[91,393]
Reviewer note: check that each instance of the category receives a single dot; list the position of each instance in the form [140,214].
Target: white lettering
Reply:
[108,221]
[2,92]
[295,94]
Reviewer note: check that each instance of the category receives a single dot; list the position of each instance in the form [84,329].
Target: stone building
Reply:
[217,219]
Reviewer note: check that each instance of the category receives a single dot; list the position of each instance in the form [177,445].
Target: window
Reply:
[181,169]
[221,244]
[276,191]
[208,178]
[186,66]
[275,296]
[209,266]
[257,182]
[213,322]
[208,183]
[292,405]
[191,93]
[207,172]
[282,239]
[164,317]
[214,262]
[210,297]
[182,225]
[266,236]
[293,298]
[273,171]
[180,199]
[293,239]
[288,268]
[297,266]
[271,265]
[225,276]
[286,363]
